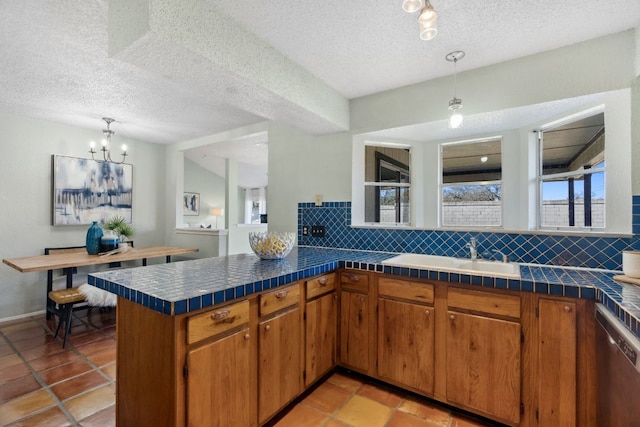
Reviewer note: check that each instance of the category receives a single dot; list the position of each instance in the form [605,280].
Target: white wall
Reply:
[598,65]
[301,166]
[175,183]
[211,188]
[26,147]
[322,164]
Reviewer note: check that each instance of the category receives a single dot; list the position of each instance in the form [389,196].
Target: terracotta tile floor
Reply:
[42,384]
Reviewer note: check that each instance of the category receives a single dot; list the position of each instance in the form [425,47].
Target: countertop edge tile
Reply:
[180,287]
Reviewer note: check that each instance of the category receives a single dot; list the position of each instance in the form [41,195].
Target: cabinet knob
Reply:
[362,300]
[427,313]
[323,281]
[452,317]
[246,337]
[267,328]
[281,294]
[567,309]
[354,278]
[221,314]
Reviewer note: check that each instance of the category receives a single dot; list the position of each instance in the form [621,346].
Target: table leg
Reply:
[50,304]
[168,258]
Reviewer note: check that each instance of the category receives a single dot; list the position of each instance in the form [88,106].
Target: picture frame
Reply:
[191,204]
[86,190]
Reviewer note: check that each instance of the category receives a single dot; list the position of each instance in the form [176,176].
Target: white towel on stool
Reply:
[97,297]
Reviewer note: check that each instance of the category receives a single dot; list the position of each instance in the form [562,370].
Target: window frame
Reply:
[541,178]
[358,181]
[442,184]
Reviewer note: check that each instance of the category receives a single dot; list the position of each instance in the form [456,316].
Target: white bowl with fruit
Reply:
[272,245]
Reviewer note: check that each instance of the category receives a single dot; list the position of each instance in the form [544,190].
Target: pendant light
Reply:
[455,105]
[426,18]
[411,6]
[427,22]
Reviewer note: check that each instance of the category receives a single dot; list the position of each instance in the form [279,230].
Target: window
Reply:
[255,205]
[387,185]
[572,174]
[471,189]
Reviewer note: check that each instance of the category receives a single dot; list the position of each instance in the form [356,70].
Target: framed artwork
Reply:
[191,204]
[85,190]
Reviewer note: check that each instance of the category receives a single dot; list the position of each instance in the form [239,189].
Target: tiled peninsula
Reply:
[218,313]
[182,287]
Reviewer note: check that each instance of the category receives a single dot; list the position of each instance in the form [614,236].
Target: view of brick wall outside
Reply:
[555,213]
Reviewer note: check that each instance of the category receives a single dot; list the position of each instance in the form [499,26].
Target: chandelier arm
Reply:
[106,152]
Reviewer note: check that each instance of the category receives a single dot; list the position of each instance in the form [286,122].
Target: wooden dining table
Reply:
[69,260]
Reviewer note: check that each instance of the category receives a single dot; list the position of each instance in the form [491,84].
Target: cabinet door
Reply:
[483,364]
[354,330]
[557,346]
[220,372]
[279,369]
[406,344]
[321,334]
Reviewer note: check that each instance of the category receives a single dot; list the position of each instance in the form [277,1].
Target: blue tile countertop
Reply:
[180,287]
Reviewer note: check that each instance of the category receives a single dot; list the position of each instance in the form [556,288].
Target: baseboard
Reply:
[21,316]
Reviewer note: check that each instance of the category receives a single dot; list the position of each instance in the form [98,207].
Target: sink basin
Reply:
[422,261]
[503,268]
[457,265]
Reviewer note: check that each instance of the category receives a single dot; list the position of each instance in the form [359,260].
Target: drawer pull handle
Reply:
[452,317]
[218,315]
[323,281]
[281,294]
[246,337]
[267,328]
[427,313]
[354,278]
[567,309]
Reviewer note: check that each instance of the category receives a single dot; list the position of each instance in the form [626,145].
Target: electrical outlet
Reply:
[317,231]
[305,230]
[318,199]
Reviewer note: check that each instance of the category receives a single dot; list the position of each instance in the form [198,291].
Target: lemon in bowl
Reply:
[272,245]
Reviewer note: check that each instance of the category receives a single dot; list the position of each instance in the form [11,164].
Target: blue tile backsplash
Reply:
[559,250]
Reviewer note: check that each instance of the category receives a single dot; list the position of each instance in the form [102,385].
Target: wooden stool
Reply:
[65,299]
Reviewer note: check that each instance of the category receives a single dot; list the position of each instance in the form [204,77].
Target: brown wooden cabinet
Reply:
[557,346]
[484,353]
[406,331]
[279,350]
[218,366]
[559,389]
[220,372]
[357,322]
[523,359]
[320,328]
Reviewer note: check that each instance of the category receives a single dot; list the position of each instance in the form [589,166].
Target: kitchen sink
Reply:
[458,265]
[506,268]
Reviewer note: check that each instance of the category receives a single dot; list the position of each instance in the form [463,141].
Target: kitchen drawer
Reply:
[355,281]
[279,299]
[321,285]
[217,321]
[484,302]
[402,289]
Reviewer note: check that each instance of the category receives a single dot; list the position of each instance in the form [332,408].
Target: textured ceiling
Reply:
[174,75]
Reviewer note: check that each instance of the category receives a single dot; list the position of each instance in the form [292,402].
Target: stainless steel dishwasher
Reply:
[618,372]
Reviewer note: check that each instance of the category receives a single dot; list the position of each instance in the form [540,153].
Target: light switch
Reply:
[318,199]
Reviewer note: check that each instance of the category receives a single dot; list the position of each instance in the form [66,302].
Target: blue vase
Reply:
[94,233]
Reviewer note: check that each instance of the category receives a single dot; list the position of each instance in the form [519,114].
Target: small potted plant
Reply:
[118,225]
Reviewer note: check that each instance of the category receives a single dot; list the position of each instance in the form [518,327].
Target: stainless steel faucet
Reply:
[472,245]
[504,257]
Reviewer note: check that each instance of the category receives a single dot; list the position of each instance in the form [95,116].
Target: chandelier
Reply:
[106,144]
[426,18]
[455,105]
